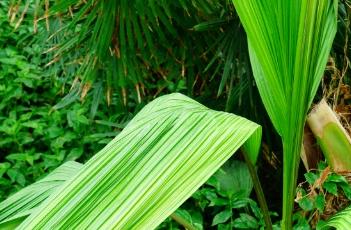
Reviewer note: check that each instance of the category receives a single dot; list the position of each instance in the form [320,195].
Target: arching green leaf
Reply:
[158,161]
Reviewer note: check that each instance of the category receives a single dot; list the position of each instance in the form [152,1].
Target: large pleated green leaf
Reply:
[164,154]
[340,221]
[289,42]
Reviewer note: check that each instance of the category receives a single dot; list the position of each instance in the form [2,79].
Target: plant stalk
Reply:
[180,220]
[291,158]
[259,193]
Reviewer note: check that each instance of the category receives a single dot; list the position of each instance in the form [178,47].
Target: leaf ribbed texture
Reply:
[289,43]
[19,205]
[164,154]
[340,221]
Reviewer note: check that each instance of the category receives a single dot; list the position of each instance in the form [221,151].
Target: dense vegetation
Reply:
[72,80]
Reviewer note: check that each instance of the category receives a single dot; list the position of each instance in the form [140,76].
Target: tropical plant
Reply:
[289,44]
[164,154]
[128,50]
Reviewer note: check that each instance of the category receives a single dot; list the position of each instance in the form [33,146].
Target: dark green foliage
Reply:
[316,198]
[138,49]
[222,204]
[35,138]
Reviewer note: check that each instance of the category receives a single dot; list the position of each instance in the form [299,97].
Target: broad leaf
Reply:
[222,217]
[158,161]
[289,43]
[233,180]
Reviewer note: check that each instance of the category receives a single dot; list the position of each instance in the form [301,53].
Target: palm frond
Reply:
[140,48]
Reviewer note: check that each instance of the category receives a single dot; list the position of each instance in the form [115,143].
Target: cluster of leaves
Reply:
[223,202]
[326,193]
[34,138]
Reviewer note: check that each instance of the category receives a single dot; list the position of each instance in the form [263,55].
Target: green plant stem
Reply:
[259,193]
[291,157]
[231,213]
[180,220]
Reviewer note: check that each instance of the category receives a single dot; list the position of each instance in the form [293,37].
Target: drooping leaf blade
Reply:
[163,155]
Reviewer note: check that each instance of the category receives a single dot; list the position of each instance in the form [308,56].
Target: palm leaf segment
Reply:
[289,43]
[165,153]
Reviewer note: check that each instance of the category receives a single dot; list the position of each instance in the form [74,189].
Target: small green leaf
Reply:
[185,214]
[322,165]
[321,224]
[336,178]
[311,177]
[306,203]
[222,217]
[210,194]
[219,202]
[347,190]
[16,175]
[240,202]
[257,211]
[300,221]
[245,221]
[320,202]
[233,180]
[4,167]
[54,131]
[17,157]
[31,124]
[30,159]
[224,227]
[331,188]
[74,154]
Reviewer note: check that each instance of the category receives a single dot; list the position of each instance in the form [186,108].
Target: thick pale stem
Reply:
[331,136]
